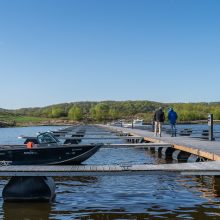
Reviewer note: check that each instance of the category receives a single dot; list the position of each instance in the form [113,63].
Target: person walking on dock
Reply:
[172,117]
[159,118]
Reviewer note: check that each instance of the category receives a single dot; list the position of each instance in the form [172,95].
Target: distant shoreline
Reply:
[59,122]
[43,123]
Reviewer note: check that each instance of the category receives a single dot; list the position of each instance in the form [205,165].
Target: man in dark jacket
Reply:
[159,118]
[172,117]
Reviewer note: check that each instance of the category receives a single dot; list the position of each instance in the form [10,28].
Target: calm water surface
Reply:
[118,197]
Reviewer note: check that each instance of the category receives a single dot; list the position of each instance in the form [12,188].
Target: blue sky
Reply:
[91,50]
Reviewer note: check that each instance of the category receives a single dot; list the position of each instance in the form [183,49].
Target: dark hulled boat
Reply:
[78,134]
[46,149]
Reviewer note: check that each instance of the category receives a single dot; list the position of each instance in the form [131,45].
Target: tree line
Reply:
[113,110]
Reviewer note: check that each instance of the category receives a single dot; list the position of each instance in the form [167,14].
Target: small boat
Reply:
[138,122]
[135,123]
[127,125]
[46,149]
[78,134]
[116,123]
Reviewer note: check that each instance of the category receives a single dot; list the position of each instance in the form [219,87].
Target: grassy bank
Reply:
[10,120]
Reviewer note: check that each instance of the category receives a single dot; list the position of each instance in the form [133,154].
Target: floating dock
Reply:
[198,168]
[202,148]
[181,148]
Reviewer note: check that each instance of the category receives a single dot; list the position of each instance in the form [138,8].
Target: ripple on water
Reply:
[120,197]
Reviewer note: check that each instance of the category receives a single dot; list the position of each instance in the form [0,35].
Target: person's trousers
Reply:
[173,130]
[158,128]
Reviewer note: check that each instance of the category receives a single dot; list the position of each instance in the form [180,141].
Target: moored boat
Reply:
[46,149]
[136,123]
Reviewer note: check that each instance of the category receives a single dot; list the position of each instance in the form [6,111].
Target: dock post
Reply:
[210,125]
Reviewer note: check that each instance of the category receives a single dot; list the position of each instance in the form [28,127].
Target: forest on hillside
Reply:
[113,110]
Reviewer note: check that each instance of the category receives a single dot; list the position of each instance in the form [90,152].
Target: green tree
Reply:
[75,113]
[47,112]
[58,112]
[100,112]
[217,114]
[114,114]
[111,110]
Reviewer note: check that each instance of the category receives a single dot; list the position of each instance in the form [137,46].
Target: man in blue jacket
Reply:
[172,117]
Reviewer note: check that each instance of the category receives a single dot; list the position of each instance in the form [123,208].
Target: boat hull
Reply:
[56,155]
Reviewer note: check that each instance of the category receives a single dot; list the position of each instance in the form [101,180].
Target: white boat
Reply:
[127,125]
[138,122]
[116,123]
[135,123]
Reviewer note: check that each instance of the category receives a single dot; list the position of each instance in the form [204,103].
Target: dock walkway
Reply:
[211,168]
[200,147]
[35,182]
[203,148]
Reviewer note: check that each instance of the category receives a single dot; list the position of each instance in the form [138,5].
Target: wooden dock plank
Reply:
[203,148]
[103,137]
[204,168]
[137,145]
[86,133]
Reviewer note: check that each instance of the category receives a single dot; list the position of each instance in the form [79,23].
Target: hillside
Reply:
[108,110]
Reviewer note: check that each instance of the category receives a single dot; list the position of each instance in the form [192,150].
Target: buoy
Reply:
[29,188]
[30,144]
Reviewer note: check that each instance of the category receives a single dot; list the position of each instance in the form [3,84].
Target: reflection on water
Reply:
[198,128]
[26,211]
[136,197]
[124,197]
[119,197]
[216,186]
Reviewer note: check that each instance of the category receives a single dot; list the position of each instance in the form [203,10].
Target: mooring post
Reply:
[210,125]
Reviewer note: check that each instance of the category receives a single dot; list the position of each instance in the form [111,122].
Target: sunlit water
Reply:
[118,197]
[198,128]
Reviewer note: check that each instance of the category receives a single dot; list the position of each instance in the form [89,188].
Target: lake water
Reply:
[118,197]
